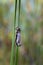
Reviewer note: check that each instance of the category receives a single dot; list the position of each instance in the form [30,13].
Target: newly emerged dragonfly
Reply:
[18,37]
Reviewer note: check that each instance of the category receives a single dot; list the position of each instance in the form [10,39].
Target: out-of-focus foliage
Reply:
[31,24]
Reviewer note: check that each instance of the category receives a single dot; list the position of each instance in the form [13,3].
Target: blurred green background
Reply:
[31,24]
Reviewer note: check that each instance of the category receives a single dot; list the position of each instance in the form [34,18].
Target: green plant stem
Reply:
[13,34]
[16,60]
[17,48]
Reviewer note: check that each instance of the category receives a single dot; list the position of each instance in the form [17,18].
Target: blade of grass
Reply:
[17,48]
[13,34]
[19,13]
[16,60]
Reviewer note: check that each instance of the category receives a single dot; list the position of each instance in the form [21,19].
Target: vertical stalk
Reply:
[19,13]
[13,34]
[16,59]
[17,48]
